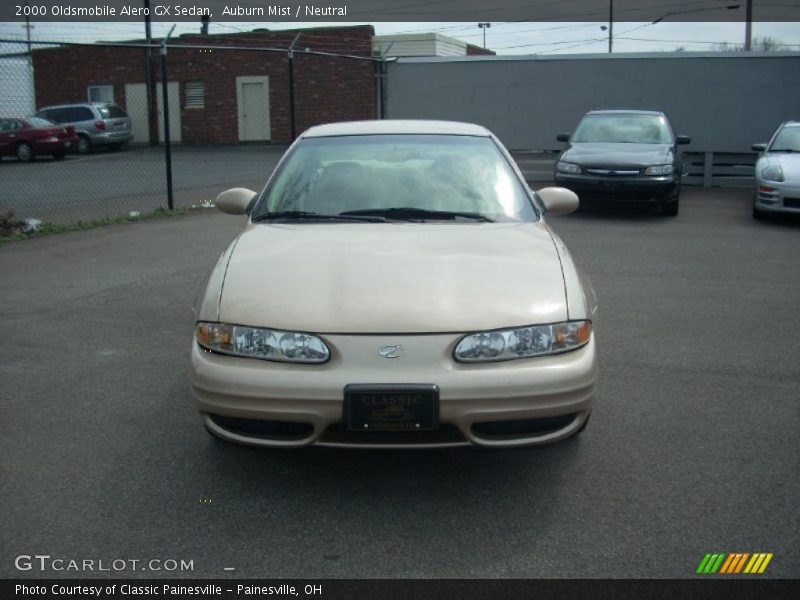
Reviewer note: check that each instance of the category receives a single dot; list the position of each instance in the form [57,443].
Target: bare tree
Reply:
[760,44]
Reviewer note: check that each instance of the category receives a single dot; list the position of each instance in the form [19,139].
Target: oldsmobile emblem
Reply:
[392,351]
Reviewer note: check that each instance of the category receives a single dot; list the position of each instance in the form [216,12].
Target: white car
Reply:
[395,285]
[778,173]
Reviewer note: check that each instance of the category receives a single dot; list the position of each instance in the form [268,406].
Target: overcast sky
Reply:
[504,38]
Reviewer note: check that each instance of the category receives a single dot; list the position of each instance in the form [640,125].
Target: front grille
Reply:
[791,202]
[521,428]
[612,172]
[269,430]
[446,434]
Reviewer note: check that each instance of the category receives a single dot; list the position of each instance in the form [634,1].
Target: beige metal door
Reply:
[136,107]
[252,94]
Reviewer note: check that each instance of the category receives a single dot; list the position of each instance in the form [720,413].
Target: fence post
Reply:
[165,101]
[292,117]
[708,169]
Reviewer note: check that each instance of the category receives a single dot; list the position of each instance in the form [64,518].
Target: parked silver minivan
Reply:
[97,123]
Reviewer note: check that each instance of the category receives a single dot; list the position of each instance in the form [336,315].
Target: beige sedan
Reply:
[396,285]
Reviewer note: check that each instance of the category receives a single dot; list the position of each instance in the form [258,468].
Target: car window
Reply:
[788,139]
[623,128]
[52,114]
[68,114]
[432,172]
[38,122]
[112,112]
[6,125]
[81,113]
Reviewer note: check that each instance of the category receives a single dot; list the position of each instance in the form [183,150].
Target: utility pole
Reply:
[290,58]
[152,113]
[28,28]
[748,26]
[165,105]
[610,26]
[484,26]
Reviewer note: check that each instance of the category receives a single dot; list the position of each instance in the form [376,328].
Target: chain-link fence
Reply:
[83,126]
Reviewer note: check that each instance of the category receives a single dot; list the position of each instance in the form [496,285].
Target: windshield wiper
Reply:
[292,215]
[410,213]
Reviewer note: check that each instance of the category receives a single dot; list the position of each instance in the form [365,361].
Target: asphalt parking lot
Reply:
[106,183]
[693,446]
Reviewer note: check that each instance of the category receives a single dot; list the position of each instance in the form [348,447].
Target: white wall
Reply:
[17,97]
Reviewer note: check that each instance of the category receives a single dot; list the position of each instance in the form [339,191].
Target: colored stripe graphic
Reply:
[703,563]
[765,563]
[717,563]
[725,567]
[754,563]
[741,562]
[734,562]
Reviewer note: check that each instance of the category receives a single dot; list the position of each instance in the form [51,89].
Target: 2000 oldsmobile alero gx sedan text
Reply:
[396,285]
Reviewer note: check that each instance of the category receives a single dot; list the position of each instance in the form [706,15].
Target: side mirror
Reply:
[683,139]
[235,201]
[759,147]
[558,200]
[563,137]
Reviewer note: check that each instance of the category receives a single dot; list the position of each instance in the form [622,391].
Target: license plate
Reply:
[391,407]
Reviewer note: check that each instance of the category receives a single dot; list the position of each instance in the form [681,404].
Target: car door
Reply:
[8,136]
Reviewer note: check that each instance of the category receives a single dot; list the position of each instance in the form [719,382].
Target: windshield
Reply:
[39,122]
[788,139]
[623,129]
[447,173]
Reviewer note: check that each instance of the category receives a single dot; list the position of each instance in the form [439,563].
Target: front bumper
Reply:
[777,197]
[504,404]
[618,187]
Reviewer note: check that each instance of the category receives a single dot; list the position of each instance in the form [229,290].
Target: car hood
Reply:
[618,155]
[788,162]
[393,277]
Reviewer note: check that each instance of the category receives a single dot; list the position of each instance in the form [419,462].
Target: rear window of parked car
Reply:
[112,112]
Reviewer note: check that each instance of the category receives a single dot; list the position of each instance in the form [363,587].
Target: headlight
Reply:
[523,342]
[565,167]
[772,173]
[256,342]
[658,170]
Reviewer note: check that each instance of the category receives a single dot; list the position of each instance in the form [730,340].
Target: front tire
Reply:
[670,205]
[24,152]
[759,215]
[585,423]
[84,145]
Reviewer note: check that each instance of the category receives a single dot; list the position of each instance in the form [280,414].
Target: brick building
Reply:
[223,96]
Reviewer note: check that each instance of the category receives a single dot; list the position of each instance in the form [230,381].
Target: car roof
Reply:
[77,104]
[626,112]
[396,126]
